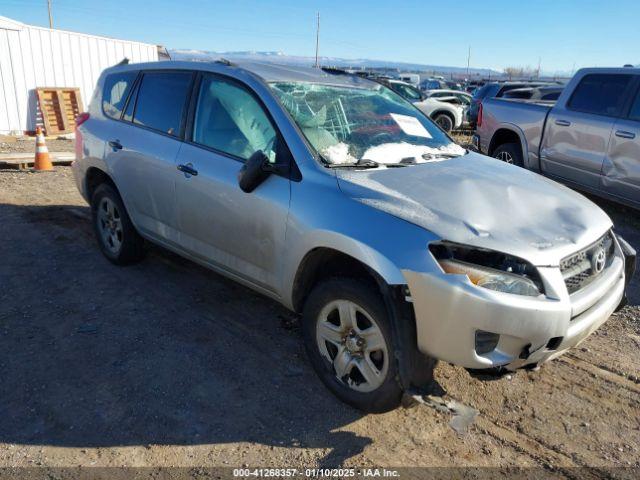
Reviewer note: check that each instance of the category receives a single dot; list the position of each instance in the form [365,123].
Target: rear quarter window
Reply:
[600,94]
[115,92]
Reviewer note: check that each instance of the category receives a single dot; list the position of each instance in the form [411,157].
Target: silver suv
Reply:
[336,197]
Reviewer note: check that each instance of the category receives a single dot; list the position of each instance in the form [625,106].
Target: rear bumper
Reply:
[79,174]
[450,310]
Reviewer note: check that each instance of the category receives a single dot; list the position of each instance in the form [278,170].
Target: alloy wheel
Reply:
[353,343]
[505,157]
[110,225]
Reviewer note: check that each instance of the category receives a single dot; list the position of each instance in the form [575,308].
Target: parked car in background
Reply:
[449,115]
[337,198]
[463,97]
[589,139]
[473,85]
[433,84]
[542,94]
[455,97]
[494,90]
[412,78]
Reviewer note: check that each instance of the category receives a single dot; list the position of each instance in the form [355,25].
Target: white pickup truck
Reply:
[589,139]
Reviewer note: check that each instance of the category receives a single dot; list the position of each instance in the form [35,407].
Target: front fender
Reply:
[384,243]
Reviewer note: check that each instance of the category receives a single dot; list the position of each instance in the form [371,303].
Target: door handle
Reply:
[623,134]
[188,170]
[563,123]
[115,144]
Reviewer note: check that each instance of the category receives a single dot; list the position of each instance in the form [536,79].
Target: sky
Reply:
[560,34]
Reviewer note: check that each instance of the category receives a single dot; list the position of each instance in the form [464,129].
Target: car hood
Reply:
[481,201]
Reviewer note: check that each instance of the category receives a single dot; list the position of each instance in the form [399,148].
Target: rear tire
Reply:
[347,335]
[509,153]
[117,237]
[444,121]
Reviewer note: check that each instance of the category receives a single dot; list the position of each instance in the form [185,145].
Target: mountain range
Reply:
[300,61]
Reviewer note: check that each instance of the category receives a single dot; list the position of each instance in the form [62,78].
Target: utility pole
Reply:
[317,37]
[539,62]
[468,61]
[50,15]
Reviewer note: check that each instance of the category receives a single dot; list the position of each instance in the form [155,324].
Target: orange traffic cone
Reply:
[43,161]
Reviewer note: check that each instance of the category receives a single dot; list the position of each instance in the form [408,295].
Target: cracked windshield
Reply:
[366,127]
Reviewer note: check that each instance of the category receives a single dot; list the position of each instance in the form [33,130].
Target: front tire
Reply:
[509,153]
[347,335]
[117,237]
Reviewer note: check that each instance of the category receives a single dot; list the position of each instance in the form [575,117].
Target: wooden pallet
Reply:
[58,108]
[25,163]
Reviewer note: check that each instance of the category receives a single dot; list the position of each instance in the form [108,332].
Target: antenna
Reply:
[317,37]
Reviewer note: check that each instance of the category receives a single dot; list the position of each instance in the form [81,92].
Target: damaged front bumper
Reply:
[453,316]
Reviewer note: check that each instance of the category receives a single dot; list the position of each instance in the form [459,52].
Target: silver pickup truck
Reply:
[590,138]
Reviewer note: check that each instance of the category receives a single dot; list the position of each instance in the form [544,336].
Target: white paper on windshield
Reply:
[410,125]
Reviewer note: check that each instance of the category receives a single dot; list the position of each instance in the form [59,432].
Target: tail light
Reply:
[479,121]
[81,118]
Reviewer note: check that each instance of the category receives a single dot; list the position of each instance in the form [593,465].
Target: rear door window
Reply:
[161,102]
[115,92]
[601,94]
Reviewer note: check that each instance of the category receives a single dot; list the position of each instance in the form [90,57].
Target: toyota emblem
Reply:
[598,260]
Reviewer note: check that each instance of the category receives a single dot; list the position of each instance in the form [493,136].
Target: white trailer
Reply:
[32,57]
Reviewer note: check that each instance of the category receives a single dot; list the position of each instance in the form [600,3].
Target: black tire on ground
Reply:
[509,153]
[130,246]
[444,121]
[388,394]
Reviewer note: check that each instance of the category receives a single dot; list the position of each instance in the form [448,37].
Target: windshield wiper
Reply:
[432,156]
[358,164]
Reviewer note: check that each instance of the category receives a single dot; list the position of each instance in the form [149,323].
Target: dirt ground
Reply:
[167,364]
[28,145]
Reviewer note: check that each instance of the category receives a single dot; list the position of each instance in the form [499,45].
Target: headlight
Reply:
[492,279]
[489,269]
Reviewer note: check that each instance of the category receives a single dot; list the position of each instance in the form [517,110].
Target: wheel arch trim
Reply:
[514,129]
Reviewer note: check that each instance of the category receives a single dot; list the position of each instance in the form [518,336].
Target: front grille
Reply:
[583,267]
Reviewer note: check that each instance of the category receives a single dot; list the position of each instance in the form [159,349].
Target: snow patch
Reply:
[338,154]
[394,152]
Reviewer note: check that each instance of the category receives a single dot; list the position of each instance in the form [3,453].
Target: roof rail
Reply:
[335,71]
[226,62]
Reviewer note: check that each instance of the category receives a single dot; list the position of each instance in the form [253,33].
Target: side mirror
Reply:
[255,171]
